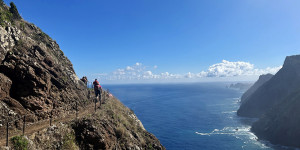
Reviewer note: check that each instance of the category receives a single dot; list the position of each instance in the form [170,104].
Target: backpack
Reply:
[97,87]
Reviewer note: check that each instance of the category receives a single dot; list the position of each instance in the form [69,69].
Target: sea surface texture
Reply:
[191,116]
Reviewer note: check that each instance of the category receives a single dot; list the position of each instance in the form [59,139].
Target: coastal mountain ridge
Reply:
[38,80]
[273,92]
[276,103]
[261,80]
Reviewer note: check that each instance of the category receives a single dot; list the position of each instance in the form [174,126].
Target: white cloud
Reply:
[129,68]
[224,69]
[229,69]
[233,69]
[273,70]
[189,75]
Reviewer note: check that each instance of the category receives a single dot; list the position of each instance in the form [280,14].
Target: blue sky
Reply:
[174,36]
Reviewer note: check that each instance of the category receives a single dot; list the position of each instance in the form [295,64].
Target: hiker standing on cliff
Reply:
[97,89]
[84,80]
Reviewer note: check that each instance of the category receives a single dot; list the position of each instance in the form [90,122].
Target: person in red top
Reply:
[97,89]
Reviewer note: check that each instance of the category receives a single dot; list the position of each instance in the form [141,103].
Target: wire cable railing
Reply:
[72,107]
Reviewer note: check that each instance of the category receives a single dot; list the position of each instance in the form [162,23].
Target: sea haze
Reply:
[190,116]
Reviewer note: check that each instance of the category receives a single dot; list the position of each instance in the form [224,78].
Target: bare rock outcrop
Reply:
[35,75]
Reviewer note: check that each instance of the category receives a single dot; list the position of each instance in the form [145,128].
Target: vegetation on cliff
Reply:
[114,126]
[15,13]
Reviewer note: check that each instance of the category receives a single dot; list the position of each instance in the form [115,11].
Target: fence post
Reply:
[24,125]
[104,96]
[7,134]
[100,98]
[95,104]
[51,118]
[76,109]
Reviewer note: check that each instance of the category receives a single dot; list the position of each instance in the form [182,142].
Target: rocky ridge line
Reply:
[276,103]
[273,92]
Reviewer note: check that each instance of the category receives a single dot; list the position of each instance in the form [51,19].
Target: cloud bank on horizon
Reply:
[140,72]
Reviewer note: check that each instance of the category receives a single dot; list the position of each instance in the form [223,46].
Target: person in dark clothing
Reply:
[84,79]
[97,89]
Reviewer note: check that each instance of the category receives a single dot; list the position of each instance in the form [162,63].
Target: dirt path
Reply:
[30,129]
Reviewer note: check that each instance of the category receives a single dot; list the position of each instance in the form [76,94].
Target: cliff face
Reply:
[35,76]
[261,80]
[113,126]
[280,125]
[277,103]
[282,84]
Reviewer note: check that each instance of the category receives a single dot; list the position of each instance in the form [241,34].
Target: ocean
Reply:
[191,116]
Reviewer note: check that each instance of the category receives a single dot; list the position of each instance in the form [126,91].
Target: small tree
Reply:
[13,9]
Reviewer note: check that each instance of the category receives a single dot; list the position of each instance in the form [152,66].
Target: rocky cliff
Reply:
[280,125]
[113,126]
[276,102]
[36,78]
[35,75]
[261,80]
[274,91]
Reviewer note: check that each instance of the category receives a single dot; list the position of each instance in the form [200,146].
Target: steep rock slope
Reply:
[280,125]
[36,79]
[282,84]
[35,75]
[113,126]
[261,80]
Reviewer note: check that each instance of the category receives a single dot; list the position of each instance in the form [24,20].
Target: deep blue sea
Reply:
[190,116]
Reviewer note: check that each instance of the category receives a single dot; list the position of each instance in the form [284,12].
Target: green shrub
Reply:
[19,143]
[22,26]
[13,9]
[69,142]
[5,16]
[44,35]
[121,132]
[149,146]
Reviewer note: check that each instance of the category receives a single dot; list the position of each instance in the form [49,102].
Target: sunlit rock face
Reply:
[35,75]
